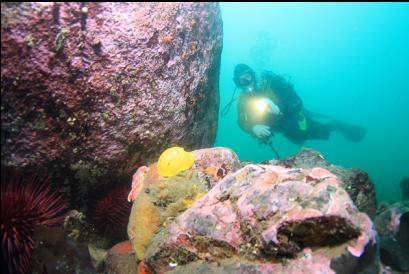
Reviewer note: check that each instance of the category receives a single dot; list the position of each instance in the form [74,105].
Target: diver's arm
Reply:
[288,100]
[291,102]
[297,104]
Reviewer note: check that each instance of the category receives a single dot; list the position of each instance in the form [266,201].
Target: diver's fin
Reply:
[351,132]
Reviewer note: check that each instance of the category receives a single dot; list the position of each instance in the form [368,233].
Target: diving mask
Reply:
[248,89]
[244,80]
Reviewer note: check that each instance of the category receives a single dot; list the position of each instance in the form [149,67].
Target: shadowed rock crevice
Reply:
[325,231]
[314,232]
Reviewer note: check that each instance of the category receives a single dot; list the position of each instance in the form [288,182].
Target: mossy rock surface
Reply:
[159,202]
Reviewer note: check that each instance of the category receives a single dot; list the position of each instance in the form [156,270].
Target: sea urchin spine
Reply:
[110,212]
[23,206]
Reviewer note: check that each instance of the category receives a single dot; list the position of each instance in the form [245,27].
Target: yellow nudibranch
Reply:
[174,160]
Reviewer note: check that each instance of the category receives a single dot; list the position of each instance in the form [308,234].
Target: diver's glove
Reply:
[261,131]
[271,107]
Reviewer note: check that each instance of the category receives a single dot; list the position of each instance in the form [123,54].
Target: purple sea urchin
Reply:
[110,212]
[23,206]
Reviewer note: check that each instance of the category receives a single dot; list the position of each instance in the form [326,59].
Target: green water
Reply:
[346,60]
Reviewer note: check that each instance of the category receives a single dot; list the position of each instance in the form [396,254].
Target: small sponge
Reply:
[174,160]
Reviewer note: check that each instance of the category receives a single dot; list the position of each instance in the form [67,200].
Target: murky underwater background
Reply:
[346,60]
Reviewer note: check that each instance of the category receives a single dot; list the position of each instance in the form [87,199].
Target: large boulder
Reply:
[95,89]
[354,180]
[392,224]
[268,219]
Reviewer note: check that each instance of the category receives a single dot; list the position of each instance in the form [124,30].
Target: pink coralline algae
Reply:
[368,234]
[89,90]
[355,181]
[215,163]
[392,225]
[137,182]
[262,214]
[395,221]
[319,173]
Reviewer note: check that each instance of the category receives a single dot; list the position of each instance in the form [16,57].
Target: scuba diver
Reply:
[274,106]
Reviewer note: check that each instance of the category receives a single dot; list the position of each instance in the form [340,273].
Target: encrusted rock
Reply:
[95,89]
[392,224]
[355,181]
[265,219]
[161,199]
[214,164]
[121,260]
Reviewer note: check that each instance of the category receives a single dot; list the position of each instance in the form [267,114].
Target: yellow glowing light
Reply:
[261,105]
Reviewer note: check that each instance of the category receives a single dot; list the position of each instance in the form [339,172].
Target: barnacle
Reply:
[167,39]
[193,23]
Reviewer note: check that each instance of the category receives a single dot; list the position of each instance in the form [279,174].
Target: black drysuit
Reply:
[282,93]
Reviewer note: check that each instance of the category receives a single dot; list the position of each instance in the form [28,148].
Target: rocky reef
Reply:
[163,198]
[91,90]
[256,218]
[355,181]
[392,224]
